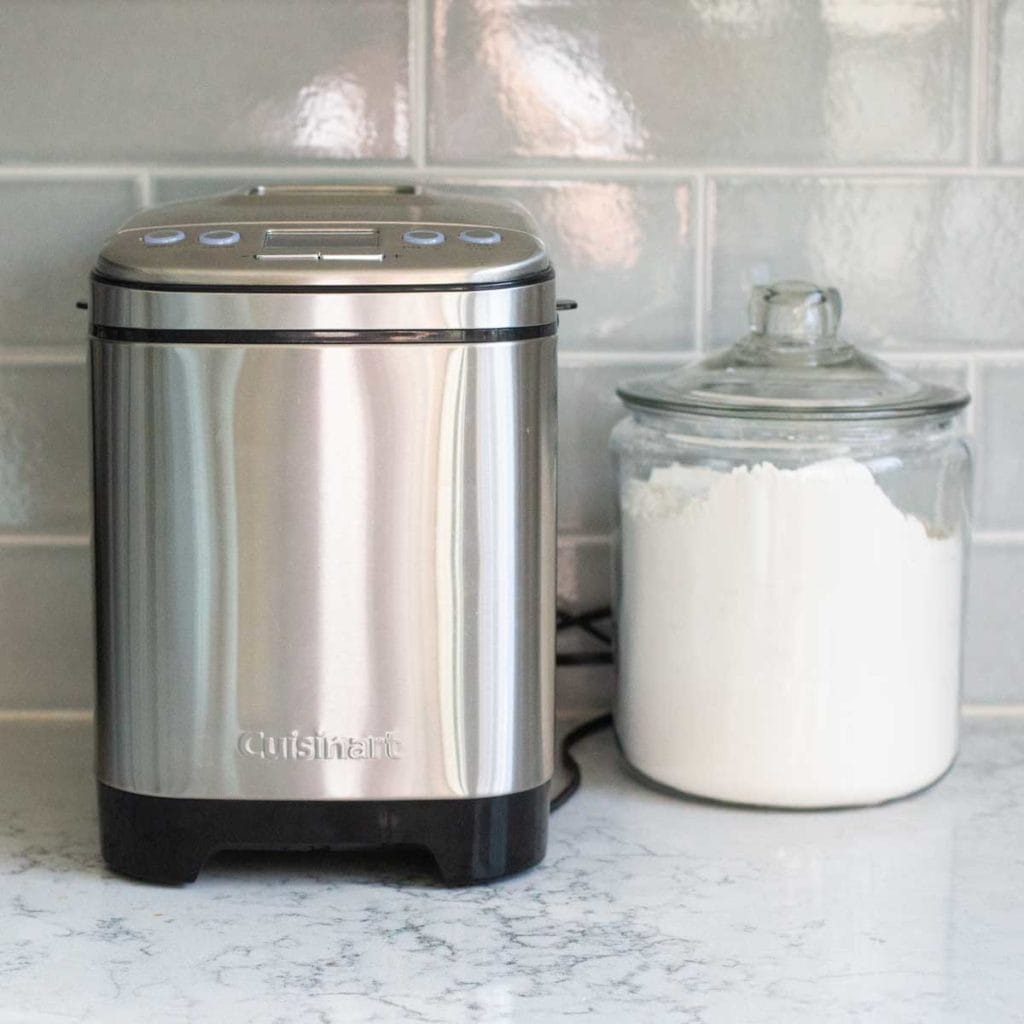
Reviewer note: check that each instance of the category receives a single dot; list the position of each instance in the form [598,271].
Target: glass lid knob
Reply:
[795,313]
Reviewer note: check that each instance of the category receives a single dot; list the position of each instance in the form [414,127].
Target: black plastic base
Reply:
[168,840]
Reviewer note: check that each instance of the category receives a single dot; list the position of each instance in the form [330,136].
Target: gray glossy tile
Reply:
[624,251]
[584,584]
[588,408]
[949,372]
[584,691]
[771,82]
[584,573]
[1000,447]
[56,228]
[46,627]
[1006,48]
[921,263]
[141,80]
[994,671]
[172,188]
[169,188]
[44,449]
[584,580]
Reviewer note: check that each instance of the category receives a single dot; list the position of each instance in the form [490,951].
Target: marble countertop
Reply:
[648,908]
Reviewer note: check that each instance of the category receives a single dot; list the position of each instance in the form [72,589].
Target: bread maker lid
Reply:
[320,258]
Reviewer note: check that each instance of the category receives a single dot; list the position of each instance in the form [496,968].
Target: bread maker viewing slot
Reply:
[335,240]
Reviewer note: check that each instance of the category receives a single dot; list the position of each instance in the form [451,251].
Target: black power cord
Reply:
[584,621]
[588,728]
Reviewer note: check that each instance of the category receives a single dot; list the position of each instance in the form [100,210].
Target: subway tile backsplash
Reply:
[1000,448]
[146,80]
[674,152]
[1006,81]
[46,626]
[995,640]
[701,82]
[922,261]
[44,458]
[51,231]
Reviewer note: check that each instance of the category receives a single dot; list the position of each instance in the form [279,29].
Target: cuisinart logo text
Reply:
[296,746]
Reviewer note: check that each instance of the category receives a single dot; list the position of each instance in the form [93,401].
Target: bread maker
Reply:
[324,482]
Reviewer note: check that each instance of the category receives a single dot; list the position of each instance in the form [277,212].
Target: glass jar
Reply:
[791,560]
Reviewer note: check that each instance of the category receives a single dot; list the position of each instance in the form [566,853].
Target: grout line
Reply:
[564,171]
[46,715]
[988,538]
[992,710]
[347,170]
[44,355]
[972,412]
[77,355]
[973,711]
[701,263]
[587,357]
[584,539]
[64,172]
[144,189]
[903,357]
[979,84]
[418,50]
[906,358]
[945,354]
[973,422]
[983,537]
[45,540]
[668,172]
[85,715]
[994,355]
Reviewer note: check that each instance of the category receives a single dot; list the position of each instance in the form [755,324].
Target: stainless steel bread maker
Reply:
[324,472]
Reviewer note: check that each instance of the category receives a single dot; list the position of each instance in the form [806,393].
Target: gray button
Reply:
[480,236]
[352,257]
[283,257]
[222,236]
[164,236]
[424,236]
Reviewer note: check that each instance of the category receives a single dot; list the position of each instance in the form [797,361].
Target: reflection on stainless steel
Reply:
[529,305]
[336,541]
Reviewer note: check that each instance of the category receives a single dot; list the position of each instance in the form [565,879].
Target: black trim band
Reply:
[481,335]
[169,839]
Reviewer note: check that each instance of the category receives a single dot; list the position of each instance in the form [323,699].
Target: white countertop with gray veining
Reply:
[648,908]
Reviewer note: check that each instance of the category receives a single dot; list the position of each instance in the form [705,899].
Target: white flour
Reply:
[787,637]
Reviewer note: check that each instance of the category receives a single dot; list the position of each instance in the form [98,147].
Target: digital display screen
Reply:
[337,240]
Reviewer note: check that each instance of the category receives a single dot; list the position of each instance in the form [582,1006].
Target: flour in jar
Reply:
[786,637]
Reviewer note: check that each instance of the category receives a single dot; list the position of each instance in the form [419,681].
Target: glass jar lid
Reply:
[792,366]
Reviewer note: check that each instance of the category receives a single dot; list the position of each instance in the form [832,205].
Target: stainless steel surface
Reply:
[255,215]
[305,542]
[487,308]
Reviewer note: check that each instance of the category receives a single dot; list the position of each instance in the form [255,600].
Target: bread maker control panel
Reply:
[282,237]
[333,244]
